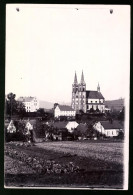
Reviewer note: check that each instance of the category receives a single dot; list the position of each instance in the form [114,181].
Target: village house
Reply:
[69,125]
[31,103]
[108,128]
[63,129]
[63,110]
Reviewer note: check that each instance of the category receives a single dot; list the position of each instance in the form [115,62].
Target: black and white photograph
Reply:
[67,91]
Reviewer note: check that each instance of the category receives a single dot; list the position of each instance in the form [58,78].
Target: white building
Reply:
[31,103]
[108,128]
[61,110]
[71,125]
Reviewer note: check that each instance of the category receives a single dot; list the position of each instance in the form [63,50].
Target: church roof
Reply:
[65,108]
[94,95]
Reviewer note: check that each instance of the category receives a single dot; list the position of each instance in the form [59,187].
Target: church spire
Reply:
[82,78]
[98,88]
[75,79]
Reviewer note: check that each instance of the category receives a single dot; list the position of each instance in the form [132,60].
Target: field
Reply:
[93,164]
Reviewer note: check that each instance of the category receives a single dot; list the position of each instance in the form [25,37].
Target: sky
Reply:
[46,44]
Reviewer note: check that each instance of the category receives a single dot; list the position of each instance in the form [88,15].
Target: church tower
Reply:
[98,88]
[75,93]
[82,94]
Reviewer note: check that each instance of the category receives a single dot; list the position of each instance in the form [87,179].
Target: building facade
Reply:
[31,103]
[61,110]
[108,128]
[85,100]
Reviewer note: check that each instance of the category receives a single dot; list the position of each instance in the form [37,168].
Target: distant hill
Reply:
[115,104]
[49,105]
[45,104]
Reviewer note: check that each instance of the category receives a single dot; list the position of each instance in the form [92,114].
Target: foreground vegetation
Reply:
[73,164]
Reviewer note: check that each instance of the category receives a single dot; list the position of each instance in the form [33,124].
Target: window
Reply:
[96,101]
[91,101]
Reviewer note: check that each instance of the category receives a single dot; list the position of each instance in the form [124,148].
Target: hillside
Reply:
[45,104]
[115,104]
[49,105]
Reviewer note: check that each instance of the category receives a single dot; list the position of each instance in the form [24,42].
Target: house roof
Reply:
[82,127]
[65,108]
[59,125]
[114,125]
[72,123]
[94,95]
[25,99]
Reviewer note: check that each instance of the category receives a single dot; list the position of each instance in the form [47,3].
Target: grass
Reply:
[101,164]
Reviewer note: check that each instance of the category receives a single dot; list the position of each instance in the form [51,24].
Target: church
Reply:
[85,100]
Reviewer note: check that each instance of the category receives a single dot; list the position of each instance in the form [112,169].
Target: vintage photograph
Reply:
[67,96]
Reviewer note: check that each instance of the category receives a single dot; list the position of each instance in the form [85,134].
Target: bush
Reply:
[40,129]
[18,136]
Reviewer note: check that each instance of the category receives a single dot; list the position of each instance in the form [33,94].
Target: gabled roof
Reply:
[25,99]
[94,95]
[114,125]
[72,123]
[65,108]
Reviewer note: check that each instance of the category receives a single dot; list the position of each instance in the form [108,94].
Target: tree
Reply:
[20,108]
[92,110]
[97,110]
[55,104]
[81,111]
[40,112]
[13,106]
[121,115]
[10,104]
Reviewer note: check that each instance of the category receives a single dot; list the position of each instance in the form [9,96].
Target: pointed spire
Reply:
[82,78]
[98,87]
[75,79]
